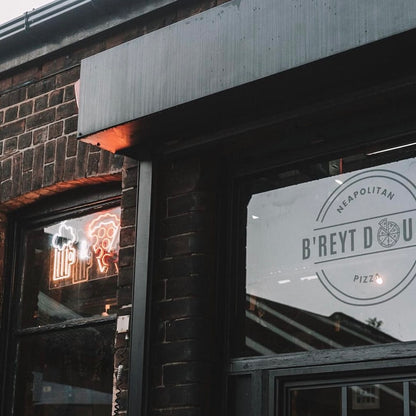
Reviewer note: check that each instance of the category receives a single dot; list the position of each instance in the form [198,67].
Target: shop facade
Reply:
[208,208]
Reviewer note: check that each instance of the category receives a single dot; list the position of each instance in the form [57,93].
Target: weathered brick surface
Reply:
[56,97]
[183,290]
[39,122]
[10,114]
[25,109]
[41,103]
[12,129]
[25,140]
[3,228]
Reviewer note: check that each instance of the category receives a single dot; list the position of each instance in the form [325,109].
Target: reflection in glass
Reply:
[330,263]
[66,373]
[70,269]
[379,399]
[412,394]
[316,402]
[361,400]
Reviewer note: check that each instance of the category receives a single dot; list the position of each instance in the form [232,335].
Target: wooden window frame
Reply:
[82,201]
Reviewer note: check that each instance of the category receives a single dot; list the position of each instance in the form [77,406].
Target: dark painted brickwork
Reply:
[183,347]
[125,278]
[39,153]
[2,253]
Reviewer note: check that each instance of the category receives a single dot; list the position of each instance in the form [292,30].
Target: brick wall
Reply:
[40,156]
[183,304]
[3,225]
[125,281]
[39,152]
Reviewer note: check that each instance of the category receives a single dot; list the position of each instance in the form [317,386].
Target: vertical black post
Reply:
[406,399]
[139,307]
[344,400]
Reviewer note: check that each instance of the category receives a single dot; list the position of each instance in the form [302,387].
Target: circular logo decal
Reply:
[363,245]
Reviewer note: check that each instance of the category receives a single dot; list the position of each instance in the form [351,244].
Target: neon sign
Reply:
[64,252]
[84,249]
[103,231]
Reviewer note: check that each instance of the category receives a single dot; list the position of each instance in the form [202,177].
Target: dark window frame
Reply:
[81,201]
[269,376]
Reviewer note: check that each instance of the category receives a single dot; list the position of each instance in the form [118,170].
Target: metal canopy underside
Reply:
[226,47]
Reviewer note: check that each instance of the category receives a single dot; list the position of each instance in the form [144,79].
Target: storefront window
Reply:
[66,372]
[381,399]
[65,326]
[330,257]
[70,269]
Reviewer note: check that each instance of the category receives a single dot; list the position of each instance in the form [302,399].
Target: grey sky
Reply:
[15,8]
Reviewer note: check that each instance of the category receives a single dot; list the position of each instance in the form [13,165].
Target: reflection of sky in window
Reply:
[276,223]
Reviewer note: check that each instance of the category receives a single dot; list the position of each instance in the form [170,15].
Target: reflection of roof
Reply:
[273,328]
[53,310]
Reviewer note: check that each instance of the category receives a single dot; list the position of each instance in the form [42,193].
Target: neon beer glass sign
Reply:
[64,254]
[84,249]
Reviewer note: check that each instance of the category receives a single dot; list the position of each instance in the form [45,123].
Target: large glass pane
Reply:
[316,402]
[383,399]
[66,373]
[330,263]
[70,269]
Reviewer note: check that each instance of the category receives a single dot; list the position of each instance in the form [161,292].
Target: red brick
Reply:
[38,162]
[40,119]
[10,114]
[48,174]
[5,190]
[28,160]
[12,97]
[69,93]
[12,129]
[26,182]
[71,149]
[127,236]
[25,76]
[25,109]
[41,87]
[67,77]
[25,140]
[55,130]
[93,161]
[69,169]
[6,169]
[17,175]
[60,158]
[41,103]
[56,97]
[50,151]
[71,125]
[66,110]
[40,135]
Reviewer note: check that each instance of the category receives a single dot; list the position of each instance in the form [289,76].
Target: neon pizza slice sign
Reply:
[103,231]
